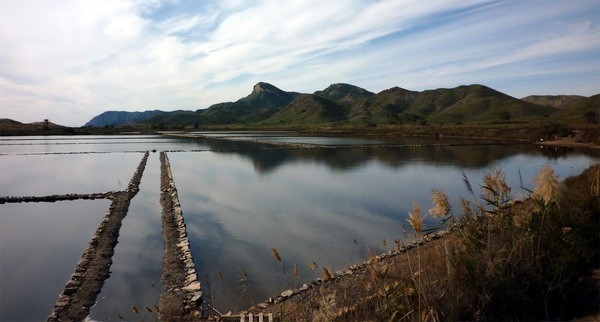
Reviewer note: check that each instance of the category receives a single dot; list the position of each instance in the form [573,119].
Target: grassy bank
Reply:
[505,259]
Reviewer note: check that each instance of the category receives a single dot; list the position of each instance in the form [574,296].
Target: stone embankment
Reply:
[93,269]
[181,297]
[112,195]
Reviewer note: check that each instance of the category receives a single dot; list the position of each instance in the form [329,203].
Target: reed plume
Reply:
[326,274]
[441,206]
[495,187]
[546,185]
[415,219]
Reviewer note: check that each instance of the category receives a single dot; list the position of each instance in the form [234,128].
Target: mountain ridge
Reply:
[343,103]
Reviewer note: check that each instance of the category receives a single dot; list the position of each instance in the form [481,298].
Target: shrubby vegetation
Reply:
[509,259]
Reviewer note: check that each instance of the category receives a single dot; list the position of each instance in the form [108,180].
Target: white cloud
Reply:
[84,57]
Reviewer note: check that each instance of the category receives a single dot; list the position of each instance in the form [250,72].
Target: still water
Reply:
[239,197]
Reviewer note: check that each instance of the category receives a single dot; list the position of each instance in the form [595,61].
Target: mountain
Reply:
[264,101]
[346,103]
[474,103]
[581,111]
[558,101]
[467,103]
[309,109]
[341,91]
[116,118]
[386,106]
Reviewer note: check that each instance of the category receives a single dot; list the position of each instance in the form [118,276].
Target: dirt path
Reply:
[181,298]
[94,266]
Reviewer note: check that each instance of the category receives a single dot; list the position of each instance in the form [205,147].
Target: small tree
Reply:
[504,115]
[46,124]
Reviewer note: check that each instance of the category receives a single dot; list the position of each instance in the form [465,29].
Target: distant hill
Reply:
[578,111]
[116,118]
[467,103]
[12,127]
[387,106]
[309,109]
[478,103]
[348,104]
[558,101]
[264,101]
[341,91]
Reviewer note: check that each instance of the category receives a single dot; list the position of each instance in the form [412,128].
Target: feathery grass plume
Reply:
[313,266]
[148,309]
[415,219]
[495,189]
[134,309]
[440,202]
[384,242]
[156,308]
[296,272]
[546,185]
[275,254]
[465,207]
[326,274]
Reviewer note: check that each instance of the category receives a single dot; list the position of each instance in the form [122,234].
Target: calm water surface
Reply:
[40,244]
[330,206]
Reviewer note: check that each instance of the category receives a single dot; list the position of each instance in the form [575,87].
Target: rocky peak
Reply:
[264,87]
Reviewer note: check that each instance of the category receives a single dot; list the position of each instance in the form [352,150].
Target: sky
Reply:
[70,60]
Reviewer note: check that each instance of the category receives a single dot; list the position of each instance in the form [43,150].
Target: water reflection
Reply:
[312,204]
[40,244]
[93,144]
[135,273]
[61,174]
[266,157]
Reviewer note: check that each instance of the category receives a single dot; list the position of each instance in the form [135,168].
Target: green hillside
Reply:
[558,101]
[581,111]
[354,106]
[309,109]
[385,107]
[264,101]
[477,103]
[340,91]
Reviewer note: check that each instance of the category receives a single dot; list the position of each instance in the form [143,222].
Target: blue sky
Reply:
[70,60]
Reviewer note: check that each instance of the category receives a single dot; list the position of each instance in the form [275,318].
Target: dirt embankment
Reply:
[181,297]
[93,269]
